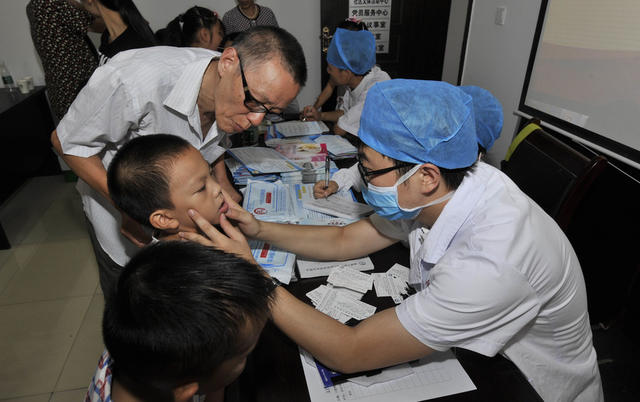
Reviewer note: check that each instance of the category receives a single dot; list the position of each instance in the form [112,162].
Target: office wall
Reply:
[455,38]
[497,56]
[300,17]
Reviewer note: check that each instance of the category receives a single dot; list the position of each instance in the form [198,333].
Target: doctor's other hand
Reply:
[310,113]
[320,191]
[231,241]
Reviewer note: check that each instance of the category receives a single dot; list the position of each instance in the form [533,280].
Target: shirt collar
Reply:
[455,213]
[364,84]
[184,94]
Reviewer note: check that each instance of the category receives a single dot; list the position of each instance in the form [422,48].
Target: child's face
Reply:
[192,186]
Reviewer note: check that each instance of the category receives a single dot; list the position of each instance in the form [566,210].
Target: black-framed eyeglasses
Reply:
[366,173]
[250,102]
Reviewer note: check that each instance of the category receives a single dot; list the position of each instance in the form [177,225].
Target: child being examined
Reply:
[156,179]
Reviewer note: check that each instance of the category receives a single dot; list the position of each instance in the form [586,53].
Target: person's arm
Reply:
[328,243]
[312,112]
[324,95]
[342,348]
[88,169]
[92,171]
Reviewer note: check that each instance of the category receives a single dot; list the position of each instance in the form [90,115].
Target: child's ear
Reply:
[204,35]
[164,219]
[185,392]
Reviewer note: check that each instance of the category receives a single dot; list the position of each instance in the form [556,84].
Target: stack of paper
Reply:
[241,174]
[337,146]
[299,128]
[300,193]
[277,262]
[338,206]
[260,160]
[436,375]
[269,201]
[341,299]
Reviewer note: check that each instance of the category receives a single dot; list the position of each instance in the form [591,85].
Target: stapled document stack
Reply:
[337,146]
[297,128]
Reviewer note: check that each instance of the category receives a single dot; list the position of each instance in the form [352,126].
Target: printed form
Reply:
[437,375]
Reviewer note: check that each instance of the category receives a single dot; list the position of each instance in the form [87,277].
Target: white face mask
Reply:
[385,199]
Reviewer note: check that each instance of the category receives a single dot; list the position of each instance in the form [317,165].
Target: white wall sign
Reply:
[377,15]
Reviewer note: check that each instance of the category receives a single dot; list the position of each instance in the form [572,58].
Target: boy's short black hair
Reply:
[177,314]
[137,177]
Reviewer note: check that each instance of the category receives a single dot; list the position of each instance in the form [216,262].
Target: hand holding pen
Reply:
[310,113]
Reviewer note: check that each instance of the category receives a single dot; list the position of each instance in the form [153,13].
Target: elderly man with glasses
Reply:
[197,94]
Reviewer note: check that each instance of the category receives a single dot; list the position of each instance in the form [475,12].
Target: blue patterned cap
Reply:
[487,111]
[352,50]
[420,122]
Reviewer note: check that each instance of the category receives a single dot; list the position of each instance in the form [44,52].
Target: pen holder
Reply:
[308,174]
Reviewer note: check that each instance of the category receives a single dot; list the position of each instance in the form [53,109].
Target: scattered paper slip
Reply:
[335,303]
[312,269]
[351,279]
[338,206]
[318,293]
[297,128]
[392,283]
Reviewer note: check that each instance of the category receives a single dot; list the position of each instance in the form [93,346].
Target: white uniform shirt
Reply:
[351,104]
[353,100]
[496,274]
[139,92]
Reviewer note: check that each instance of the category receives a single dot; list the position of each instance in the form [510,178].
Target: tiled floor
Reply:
[50,300]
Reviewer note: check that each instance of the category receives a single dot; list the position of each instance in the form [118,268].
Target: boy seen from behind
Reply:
[181,324]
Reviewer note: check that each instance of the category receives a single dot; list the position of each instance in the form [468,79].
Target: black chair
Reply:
[552,173]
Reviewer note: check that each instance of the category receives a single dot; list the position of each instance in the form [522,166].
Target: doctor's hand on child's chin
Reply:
[246,222]
[231,241]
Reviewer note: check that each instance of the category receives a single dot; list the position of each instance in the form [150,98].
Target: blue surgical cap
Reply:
[487,111]
[352,50]
[420,122]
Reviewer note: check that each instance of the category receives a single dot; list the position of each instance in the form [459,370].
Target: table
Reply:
[26,125]
[274,372]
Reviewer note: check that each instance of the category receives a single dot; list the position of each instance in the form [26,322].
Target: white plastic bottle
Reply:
[7,79]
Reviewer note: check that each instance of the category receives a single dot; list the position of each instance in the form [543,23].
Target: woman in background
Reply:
[196,27]
[125,27]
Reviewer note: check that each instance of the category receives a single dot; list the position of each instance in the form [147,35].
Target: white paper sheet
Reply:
[268,201]
[437,375]
[312,269]
[350,279]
